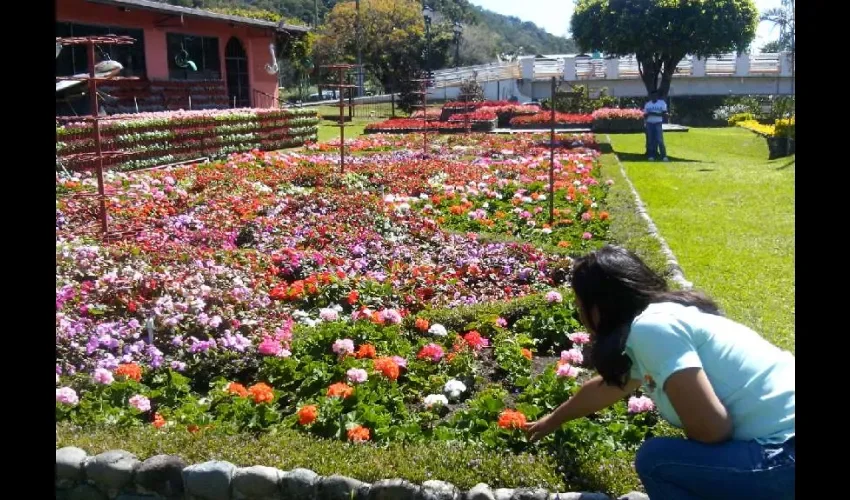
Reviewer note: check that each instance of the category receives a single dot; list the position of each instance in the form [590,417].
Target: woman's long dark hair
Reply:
[620,286]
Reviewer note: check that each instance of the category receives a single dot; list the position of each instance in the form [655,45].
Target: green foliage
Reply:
[548,324]
[662,32]
[578,101]
[471,90]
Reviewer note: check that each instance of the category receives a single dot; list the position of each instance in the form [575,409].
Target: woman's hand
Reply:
[541,428]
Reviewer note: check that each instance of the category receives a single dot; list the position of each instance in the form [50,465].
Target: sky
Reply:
[554,16]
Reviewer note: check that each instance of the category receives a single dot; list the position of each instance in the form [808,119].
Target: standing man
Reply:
[654,112]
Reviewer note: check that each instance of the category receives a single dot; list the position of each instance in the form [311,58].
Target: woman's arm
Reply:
[593,396]
[703,416]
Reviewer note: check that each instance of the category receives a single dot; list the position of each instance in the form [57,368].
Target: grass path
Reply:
[728,215]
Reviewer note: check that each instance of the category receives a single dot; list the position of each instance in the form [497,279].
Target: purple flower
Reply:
[342,347]
[140,403]
[356,375]
[66,395]
[103,376]
[554,297]
[178,366]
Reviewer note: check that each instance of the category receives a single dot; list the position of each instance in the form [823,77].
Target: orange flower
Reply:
[192,428]
[130,370]
[358,434]
[456,209]
[262,393]
[366,351]
[512,419]
[353,296]
[238,389]
[526,354]
[158,421]
[563,244]
[307,414]
[340,389]
[387,367]
[603,215]
[422,324]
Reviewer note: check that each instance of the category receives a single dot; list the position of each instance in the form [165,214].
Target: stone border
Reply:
[676,270]
[119,475]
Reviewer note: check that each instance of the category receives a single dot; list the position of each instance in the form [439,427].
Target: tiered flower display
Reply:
[269,290]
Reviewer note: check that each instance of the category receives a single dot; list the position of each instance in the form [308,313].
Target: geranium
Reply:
[387,366]
[438,330]
[343,347]
[545,118]
[103,376]
[573,356]
[140,403]
[421,324]
[307,414]
[432,400]
[129,370]
[356,375]
[366,351]
[261,392]
[475,340]
[526,353]
[340,390]
[66,395]
[512,419]
[237,389]
[640,404]
[554,297]
[567,370]
[454,388]
[433,352]
[579,338]
[618,114]
[401,362]
[158,420]
[328,314]
[358,434]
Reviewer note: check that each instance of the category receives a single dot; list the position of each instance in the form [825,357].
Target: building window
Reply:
[73,60]
[200,50]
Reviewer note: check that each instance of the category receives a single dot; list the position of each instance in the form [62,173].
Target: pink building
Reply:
[176,46]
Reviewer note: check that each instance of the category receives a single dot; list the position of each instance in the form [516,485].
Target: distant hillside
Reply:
[486,33]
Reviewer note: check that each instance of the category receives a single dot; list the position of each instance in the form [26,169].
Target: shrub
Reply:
[740,117]
[786,128]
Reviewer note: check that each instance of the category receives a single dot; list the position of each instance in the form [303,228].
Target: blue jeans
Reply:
[655,140]
[680,469]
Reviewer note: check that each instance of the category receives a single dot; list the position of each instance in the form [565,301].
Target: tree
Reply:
[660,33]
[782,18]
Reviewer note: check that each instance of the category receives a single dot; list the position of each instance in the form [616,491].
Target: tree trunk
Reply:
[667,78]
[650,70]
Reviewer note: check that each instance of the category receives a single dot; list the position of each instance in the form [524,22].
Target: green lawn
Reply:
[727,214]
[329,130]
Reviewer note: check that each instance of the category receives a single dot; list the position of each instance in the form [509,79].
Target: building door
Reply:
[236,67]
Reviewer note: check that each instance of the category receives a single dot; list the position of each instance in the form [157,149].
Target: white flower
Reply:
[438,330]
[454,388]
[435,399]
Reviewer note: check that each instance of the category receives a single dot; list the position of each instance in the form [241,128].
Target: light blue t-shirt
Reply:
[752,378]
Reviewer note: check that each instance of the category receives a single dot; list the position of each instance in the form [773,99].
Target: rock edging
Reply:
[120,475]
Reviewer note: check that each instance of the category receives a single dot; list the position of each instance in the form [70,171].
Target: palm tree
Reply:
[783,18]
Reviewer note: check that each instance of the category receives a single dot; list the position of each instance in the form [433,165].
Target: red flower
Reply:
[262,393]
[358,434]
[340,389]
[512,419]
[353,297]
[308,414]
[366,351]
[422,324]
[387,367]
[475,340]
[158,421]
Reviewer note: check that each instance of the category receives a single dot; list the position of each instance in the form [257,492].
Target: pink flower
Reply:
[567,370]
[328,314]
[640,405]
[343,346]
[269,346]
[554,297]
[573,356]
[586,236]
[501,322]
[609,182]
[434,352]
[140,403]
[66,395]
[579,338]
[103,376]
[357,375]
[586,216]
[391,316]
[399,361]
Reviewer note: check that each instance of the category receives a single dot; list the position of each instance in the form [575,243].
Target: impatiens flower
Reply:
[387,367]
[66,395]
[358,434]
[438,330]
[261,393]
[572,356]
[103,376]
[140,403]
[512,419]
[328,314]
[432,352]
[554,297]
[307,414]
[366,351]
[567,370]
[579,338]
[526,353]
[158,420]
[340,390]
[343,347]
[129,370]
[454,388]
[356,375]
[237,389]
[475,340]
[640,404]
[432,400]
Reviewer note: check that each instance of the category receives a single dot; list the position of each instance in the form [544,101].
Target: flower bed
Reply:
[543,119]
[618,120]
[780,136]
[408,125]
[152,139]
[270,291]
[481,120]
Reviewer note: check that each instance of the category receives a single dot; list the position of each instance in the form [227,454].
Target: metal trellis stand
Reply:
[341,70]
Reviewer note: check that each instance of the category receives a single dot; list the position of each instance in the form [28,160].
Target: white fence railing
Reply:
[573,68]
